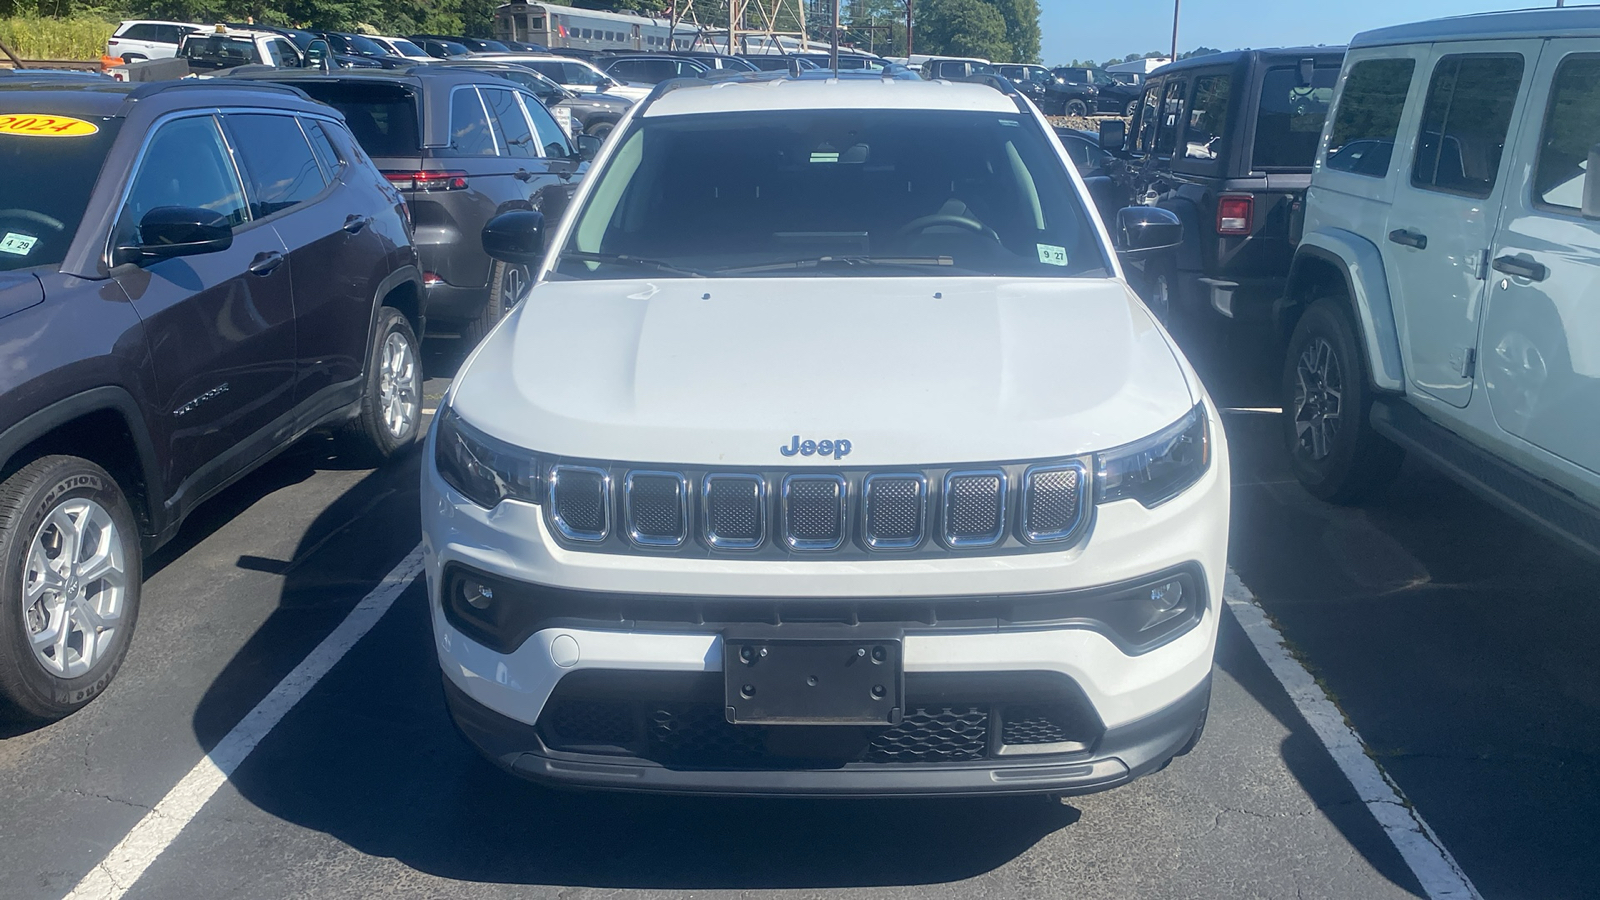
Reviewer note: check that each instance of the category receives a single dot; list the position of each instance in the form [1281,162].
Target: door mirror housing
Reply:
[1113,135]
[588,146]
[318,55]
[1146,229]
[1591,185]
[169,231]
[515,237]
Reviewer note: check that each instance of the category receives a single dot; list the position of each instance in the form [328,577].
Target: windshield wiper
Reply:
[623,259]
[818,262]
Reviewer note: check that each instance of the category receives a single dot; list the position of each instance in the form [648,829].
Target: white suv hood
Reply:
[908,370]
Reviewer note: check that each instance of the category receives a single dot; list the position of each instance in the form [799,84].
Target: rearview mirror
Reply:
[588,146]
[515,237]
[1113,134]
[1591,185]
[168,231]
[1146,229]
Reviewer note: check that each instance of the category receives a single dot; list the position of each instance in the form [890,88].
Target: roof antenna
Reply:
[836,5]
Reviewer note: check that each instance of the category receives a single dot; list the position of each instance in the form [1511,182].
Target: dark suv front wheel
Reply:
[391,407]
[1333,449]
[70,573]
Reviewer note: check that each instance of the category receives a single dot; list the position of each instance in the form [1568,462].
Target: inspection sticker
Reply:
[36,125]
[17,244]
[1051,255]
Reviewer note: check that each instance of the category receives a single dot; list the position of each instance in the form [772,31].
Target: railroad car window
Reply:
[1572,128]
[1367,120]
[1464,123]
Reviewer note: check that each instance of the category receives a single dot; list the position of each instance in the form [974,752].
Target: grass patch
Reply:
[43,37]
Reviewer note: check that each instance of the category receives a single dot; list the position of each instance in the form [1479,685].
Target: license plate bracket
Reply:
[823,681]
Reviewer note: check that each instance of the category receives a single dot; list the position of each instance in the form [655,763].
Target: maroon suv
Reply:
[192,276]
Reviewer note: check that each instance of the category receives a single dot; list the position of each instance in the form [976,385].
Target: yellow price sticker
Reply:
[37,125]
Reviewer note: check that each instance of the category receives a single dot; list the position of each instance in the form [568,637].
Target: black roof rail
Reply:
[151,88]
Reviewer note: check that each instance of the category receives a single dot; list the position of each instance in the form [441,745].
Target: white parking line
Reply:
[115,874]
[1441,877]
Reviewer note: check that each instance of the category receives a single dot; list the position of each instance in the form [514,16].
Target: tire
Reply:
[93,602]
[506,282]
[1333,449]
[391,405]
[1132,109]
[1075,108]
[600,129]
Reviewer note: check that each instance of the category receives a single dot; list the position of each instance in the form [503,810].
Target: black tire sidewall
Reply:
[1329,477]
[23,681]
[390,321]
[1066,108]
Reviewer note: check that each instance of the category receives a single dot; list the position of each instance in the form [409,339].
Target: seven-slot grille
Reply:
[941,510]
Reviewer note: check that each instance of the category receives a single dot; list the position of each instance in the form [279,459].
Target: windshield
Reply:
[221,52]
[364,45]
[885,192]
[406,48]
[383,117]
[46,189]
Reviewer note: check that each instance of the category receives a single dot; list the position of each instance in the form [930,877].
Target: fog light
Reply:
[1167,597]
[477,594]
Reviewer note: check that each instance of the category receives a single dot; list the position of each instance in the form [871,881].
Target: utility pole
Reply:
[836,5]
[734,9]
[1175,6]
[908,28]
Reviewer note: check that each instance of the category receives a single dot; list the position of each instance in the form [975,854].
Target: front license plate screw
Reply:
[877,692]
[747,691]
[747,656]
[878,655]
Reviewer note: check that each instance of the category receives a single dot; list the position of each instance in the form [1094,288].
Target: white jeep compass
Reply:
[830,454]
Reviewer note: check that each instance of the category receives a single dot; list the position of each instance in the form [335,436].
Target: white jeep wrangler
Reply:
[1446,294]
[829,454]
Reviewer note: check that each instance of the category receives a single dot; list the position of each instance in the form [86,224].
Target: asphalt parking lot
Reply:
[1453,639]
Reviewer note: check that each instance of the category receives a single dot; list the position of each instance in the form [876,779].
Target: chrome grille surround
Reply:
[881,514]
[810,502]
[579,500]
[649,521]
[1047,519]
[974,508]
[722,511]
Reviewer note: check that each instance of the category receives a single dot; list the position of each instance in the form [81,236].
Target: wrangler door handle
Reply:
[1521,267]
[354,223]
[1408,238]
[265,262]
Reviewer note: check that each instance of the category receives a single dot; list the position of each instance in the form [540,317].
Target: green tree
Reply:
[962,28]
[1022,29]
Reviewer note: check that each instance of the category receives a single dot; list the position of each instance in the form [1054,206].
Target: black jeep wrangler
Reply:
[1226,141]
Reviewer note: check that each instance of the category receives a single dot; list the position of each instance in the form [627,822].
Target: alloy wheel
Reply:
[1318,399]
[74,587]
[397,385]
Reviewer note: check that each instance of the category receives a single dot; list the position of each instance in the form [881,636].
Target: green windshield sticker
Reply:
[17,244]
[1051,255]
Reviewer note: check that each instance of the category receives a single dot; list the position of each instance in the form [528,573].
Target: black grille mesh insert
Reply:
[894,507]
[1053,502]
[733,508]
[1043,724]
[655,503]
[938,734]
[811,510]
[579,500]
[972,506]
[579,723]
[700,733]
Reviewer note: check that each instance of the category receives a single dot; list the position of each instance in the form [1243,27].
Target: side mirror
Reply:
[1591,185]
[515,237]
[168,231]
[318,55]
[588,146]
[1113,135]
[1146,229]
[606,84]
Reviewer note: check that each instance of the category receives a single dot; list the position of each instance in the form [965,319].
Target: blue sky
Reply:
[1100,29]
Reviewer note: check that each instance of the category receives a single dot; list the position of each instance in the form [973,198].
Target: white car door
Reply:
[1540,352]
[1447,206]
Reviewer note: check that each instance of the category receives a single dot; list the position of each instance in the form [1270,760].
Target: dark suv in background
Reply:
[193,274]
[1081,91]
[1226,141]
[462,146]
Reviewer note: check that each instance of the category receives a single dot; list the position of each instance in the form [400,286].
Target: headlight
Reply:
[483,469]
[1158,468]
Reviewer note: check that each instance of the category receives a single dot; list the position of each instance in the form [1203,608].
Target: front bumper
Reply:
[1122,754]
